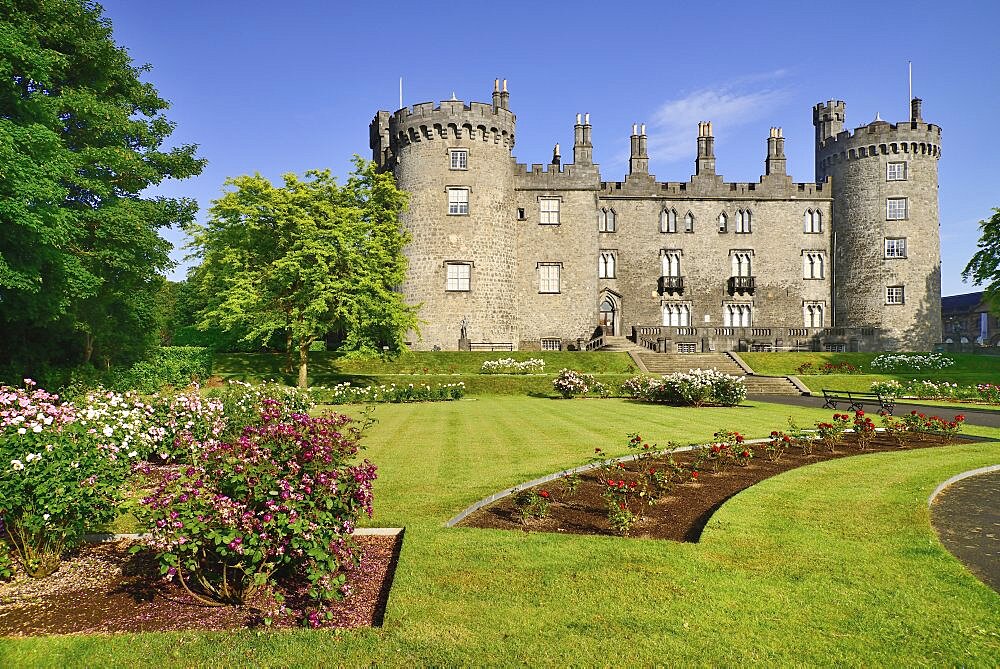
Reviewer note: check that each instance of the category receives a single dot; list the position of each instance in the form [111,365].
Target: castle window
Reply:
[741,263]
[548,277]
[606,220]
[459,277]
[548,208]
[668,220]
[812,221]
[459,159]
[895,247]
[606,265]
[744,221]
[551,344]
[737,315]
[671,263]
[895,209]
[723,222]
[813,264]
[520,214]
[894,295]
[458,201]
[812,313]
[895,172]
[677,314]
[689,222]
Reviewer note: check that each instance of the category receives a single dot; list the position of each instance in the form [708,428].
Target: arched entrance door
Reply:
[608,316]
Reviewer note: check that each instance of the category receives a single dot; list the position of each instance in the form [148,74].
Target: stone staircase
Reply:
[620,345]
[668,363]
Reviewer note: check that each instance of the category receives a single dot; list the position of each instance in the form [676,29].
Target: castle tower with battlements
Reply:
[548,256]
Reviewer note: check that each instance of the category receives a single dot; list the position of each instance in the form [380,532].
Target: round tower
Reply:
[886,237]
[455,161]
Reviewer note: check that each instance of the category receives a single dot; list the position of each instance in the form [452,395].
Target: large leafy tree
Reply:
[306,258]
[984,268]
[81,137]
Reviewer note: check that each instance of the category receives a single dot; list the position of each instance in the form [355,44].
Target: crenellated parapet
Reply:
[450,119]
[768,188]
[557,177]
[908,138]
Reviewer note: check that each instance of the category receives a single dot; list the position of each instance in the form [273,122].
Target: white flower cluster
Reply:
[894,362]
[512,366]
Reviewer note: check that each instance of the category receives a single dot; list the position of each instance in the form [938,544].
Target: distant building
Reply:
[543,256]
[968,322]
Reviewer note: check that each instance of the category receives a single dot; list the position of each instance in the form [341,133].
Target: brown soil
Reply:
[105,589]
[682,513]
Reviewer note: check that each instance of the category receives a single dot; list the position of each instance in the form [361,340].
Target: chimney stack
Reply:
[638,160]
[916,105]
[496,94]
[775,163]
[504,96]
[583,150]
[705,164]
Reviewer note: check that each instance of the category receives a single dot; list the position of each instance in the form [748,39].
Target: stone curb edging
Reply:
[798,384]
[486,501]
[107,537]
[742,363]
[958,477]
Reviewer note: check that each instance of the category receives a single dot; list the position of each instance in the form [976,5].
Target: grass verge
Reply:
[833,563]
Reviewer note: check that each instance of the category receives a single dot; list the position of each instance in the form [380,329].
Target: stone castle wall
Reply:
[504,240]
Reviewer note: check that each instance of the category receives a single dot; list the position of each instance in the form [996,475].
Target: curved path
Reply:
[966,516]
[984,417]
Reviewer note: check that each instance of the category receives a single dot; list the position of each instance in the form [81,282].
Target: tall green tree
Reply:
[306,258]
[81,137]
[984,268]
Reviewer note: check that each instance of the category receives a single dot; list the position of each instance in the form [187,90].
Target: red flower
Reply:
[960,418]
[745,454]
[694,475]
[543,493]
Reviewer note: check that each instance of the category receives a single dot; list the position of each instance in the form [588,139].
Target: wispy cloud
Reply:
[674,126]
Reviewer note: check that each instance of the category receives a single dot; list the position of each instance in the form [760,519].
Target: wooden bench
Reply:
[856,399]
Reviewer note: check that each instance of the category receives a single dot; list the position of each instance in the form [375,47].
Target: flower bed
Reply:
[672,496]
[910,362]
[345,393]
[986,393]
[827,368]
[695,388]
[512,366]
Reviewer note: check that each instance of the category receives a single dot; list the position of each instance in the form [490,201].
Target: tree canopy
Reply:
[984,268]
[306,258]
[81,137]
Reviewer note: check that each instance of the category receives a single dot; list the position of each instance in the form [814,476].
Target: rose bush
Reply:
[905,362]
[62,468]
[512,366]
[697,387]
[281,501]
[570,383]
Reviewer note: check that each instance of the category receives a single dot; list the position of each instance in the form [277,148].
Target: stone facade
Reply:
[968,322]
[548,255]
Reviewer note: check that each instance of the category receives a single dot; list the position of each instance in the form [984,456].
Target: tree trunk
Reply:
[288,351]
[88,347]
[304,362]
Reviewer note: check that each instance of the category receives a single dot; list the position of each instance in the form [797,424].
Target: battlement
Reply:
[451,119]
[913,138]
[768,188]
[555,177]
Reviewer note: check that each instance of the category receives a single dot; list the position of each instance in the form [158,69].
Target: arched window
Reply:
[737,315]
[812,221]
[813,314]
[744,221]
[606,220]
[741,263]
[723,222]
[689,222]
[606,265]
[676,315]
[671,263]
[668,220]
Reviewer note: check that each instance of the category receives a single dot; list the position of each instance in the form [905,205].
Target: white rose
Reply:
[17,465]
[21,430]
[108,430]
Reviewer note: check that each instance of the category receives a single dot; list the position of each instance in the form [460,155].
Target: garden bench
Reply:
[857,399]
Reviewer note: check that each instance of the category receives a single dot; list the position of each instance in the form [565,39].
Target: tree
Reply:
[81,137]
[306,258]
[985,264]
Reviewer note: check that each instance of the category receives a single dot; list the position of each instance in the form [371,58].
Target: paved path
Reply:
[966,516]
[984,417]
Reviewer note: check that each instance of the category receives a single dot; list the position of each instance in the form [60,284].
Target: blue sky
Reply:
[276,87]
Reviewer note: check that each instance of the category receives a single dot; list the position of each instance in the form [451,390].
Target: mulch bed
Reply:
[104,589]
[684,512]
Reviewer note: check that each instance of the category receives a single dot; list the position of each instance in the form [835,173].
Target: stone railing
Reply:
[594,344]
[663,338]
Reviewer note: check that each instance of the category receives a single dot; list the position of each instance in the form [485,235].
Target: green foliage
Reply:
[306,258]
[6,563]
[984,267]
[81,138]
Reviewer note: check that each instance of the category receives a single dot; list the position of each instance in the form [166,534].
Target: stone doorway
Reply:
[609,314]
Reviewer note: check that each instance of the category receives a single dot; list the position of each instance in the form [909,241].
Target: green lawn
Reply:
[830,564]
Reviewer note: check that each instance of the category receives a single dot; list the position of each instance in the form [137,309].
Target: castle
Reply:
[507,256]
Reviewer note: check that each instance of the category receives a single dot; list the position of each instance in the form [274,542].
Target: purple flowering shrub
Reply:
[278,503]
